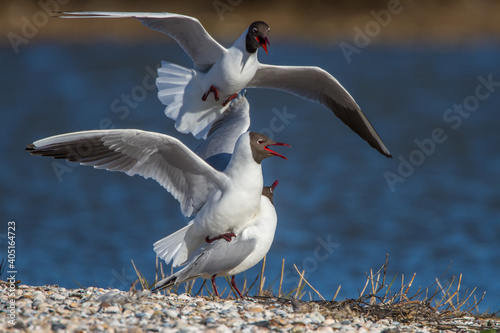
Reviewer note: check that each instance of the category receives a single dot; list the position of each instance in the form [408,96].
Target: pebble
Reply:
[50,308]
[172,314]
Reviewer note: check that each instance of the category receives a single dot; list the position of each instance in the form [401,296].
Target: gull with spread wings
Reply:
[223,202]
[223,72]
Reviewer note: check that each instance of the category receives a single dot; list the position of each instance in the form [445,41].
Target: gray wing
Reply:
[218,257]
[315,84]
[218,147]
[186,30]
[151,155]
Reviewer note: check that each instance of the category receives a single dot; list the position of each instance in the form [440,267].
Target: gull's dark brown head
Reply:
[268,191]
[260,143]
[257,36]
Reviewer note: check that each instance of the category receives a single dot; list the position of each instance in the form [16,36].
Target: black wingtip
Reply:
[388,155]
[169,283]
[30,147]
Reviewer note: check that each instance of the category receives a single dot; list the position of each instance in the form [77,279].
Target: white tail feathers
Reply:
[171,82]
[175,247]
[169,247]
[180,89]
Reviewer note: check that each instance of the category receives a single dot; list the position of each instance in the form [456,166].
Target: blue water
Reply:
[338,214]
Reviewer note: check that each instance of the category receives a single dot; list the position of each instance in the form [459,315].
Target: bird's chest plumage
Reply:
[233,72]
[237,205]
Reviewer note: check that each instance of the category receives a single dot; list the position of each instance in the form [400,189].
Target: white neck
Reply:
[242,168]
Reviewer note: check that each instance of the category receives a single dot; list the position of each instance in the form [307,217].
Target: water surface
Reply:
[338,215]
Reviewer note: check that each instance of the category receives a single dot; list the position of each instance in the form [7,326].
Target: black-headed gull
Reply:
[222,258]
[224,202]
[224,72]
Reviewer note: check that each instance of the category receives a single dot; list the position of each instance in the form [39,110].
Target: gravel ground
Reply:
[51,308]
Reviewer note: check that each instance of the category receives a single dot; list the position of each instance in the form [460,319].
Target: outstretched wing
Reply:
[151,155]
[186,30]
[315,84]
[218,147]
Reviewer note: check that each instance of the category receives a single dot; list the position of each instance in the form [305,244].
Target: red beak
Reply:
[275,153]
[273,186]
[264,42]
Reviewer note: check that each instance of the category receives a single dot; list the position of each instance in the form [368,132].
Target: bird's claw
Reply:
[229,99]
[211,90]
[227,236]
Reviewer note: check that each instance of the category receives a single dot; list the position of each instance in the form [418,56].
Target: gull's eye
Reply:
[255,30]
[260,141]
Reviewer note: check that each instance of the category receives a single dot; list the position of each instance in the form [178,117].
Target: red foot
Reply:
[229,99]
[213,285]
[211,90]
[227,236]
[236,288]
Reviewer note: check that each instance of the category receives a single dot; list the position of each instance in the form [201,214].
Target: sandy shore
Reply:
[51,308]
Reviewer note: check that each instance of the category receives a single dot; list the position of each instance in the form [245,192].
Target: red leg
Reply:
[227,236]
[213,285]
[211,90]
[229,99]
[236,288]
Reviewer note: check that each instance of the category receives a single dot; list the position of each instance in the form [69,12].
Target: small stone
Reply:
[111,309]
[257,309]
[184,297]
[172,314]
[298,327]
[280,312]
[329,322]
[227,305]
[358,321]
[57,297]
[391,330]
[128,313]
[41,307]
[128,306]
[316,317]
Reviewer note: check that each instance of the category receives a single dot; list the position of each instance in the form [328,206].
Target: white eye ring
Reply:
[260,141]
[254,29]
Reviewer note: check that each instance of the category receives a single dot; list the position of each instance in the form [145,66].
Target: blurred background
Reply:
[426,74]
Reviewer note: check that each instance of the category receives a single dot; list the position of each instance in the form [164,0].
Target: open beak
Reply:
[273,186]
[264,42]
[275,153]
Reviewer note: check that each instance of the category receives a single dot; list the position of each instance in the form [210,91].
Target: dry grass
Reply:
[440,306]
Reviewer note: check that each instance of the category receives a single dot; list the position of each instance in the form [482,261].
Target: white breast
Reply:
[234,71]
[262,229]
